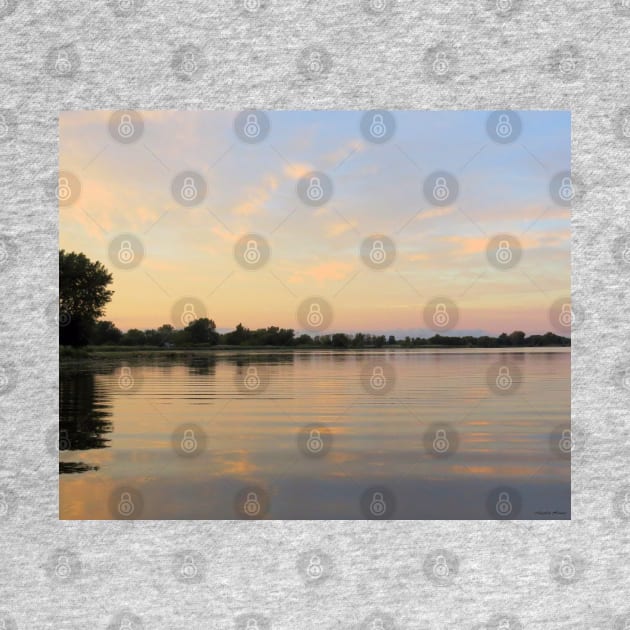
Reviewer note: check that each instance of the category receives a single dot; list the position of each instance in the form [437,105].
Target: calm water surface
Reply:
[192,438]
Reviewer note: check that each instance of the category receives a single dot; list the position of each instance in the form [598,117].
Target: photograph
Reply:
[315,315]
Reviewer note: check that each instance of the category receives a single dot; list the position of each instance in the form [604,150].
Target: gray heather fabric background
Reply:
[570,54]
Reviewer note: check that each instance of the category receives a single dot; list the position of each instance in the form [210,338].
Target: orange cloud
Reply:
[329,271]
[322,272]
[341,227]
[344,151]
[295,171]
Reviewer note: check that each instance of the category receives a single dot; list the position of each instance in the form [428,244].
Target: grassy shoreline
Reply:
[89,353]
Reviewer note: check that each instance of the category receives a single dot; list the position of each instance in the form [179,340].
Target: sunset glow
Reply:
[378,189]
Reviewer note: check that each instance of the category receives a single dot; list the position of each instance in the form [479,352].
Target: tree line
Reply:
[84,293]
[203,332]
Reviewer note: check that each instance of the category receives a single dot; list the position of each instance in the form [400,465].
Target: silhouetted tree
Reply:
[238,336]
[134,337]
[83,294]
[106,333]
[517,338]
[340,340]
[202,330]
[166,332]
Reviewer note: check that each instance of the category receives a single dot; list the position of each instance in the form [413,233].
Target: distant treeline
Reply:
[202,332]
[84,294]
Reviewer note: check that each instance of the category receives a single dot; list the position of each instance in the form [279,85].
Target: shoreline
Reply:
[91,353]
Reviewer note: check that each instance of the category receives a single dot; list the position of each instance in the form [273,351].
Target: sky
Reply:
[315,251]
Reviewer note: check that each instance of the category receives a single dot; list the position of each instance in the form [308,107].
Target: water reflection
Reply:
[201,366]
[250,408]
[84,412]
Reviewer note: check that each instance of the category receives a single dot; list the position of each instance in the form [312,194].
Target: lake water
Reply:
[383,434]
